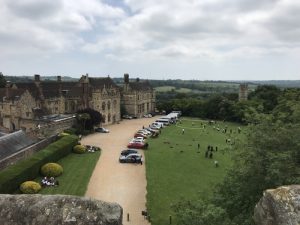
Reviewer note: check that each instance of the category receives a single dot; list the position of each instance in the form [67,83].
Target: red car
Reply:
[138,145]
[140,135]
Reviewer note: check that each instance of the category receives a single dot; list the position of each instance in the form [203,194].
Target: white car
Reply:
[137,140]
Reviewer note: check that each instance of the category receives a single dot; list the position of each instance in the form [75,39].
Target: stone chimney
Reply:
[137,80]
[7,89]
[58,78]
[126,78]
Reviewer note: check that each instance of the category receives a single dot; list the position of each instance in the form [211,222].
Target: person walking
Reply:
[182,130]
[198,146]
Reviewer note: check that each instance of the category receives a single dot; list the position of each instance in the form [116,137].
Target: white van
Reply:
[164,121]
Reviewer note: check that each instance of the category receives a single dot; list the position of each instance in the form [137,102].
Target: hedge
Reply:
[28,169]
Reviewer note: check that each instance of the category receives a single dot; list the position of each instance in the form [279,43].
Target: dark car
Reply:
[131,158]
[128,151]
[101,130]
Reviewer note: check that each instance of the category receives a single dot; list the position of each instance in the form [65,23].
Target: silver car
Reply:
[131,158]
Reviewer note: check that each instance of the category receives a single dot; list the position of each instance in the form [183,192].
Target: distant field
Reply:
[203,87]
[164,88]
[78,169]
[175,169]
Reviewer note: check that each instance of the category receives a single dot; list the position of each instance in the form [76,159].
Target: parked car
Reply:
[140,135]
[138,145]
[127,117]
[128,151]
[131,158]
[101,130]
[138,139]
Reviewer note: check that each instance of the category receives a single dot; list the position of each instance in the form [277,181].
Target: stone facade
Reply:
[23,104]
[138,97]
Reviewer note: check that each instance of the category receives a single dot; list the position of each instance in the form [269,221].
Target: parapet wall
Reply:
[56,210]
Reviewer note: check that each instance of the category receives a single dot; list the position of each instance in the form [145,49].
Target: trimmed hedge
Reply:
[30,187]
[28,169]
[51,170]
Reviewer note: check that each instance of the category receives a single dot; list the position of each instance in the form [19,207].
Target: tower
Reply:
[243,92]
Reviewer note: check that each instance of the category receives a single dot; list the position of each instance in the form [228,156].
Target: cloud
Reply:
[51,26]
[131,31]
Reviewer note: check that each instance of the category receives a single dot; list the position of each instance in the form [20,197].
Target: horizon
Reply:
[200,40]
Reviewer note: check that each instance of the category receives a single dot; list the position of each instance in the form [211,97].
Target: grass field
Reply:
[177,170]
[78,169]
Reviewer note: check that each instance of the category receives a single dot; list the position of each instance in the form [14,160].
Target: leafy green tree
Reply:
[95,118]
[83,118]
[268,159]
[199,212]
[2,80]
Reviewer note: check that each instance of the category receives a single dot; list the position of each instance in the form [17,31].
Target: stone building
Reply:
[138,98]
[243,92]
[23,104]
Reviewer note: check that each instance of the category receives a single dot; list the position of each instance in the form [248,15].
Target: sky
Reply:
[152,39]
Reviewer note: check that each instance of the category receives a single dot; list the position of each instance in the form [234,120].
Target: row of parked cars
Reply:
[139,141]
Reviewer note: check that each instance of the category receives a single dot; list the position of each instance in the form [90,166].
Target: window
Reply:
[108,105]
[108,118]
[103,105]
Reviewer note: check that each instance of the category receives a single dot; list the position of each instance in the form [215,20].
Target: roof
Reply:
[31,87]
[14,142]
[13,93]
[101,82]
[140,86]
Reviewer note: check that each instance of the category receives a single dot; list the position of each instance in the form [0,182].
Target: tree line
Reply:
[268,158]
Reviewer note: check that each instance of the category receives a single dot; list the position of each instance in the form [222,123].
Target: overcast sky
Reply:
[154,39]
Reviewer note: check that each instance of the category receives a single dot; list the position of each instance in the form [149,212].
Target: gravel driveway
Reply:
[112,181]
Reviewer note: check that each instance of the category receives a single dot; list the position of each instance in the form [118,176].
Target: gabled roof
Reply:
[12,93]
[31,87]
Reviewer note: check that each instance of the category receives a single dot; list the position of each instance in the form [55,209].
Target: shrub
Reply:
[51,170]
[70,130]
[63,134]
[29,169]
[30,187]
[79,149]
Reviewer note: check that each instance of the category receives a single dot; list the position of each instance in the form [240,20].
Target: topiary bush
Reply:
[51,170]
[30,187]
[28,169]
[79,149]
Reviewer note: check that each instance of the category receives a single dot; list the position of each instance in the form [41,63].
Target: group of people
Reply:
[209,151]
[49,181]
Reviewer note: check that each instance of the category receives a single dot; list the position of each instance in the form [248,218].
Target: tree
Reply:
[2,80]
[269,158]
[199,212]
[95,118]
[82,118]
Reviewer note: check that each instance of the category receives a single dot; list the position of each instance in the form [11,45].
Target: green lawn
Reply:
[177,170]
[78,169]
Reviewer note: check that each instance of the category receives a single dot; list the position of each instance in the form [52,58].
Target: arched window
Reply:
[115,104]
[103,118]
[103,105]
[114,118]
[108,105]
[108,118]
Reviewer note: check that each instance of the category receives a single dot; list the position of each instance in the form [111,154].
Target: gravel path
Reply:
[112,181]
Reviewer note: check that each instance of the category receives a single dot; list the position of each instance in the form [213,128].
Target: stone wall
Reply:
[56,210]
[280,206]
[26,152]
